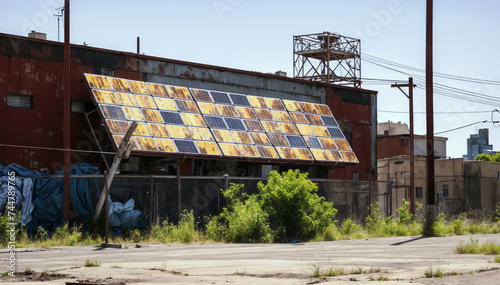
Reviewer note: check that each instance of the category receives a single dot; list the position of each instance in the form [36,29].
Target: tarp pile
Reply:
[41,198]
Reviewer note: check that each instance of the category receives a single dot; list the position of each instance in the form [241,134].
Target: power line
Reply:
[468,125]
[441,113]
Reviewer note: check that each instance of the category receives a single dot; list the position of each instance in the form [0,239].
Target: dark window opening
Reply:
[418,192]
[20,101]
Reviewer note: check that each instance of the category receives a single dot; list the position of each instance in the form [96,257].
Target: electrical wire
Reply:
[468,125]
[55,149]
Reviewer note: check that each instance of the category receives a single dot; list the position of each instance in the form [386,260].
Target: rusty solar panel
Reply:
[250,126]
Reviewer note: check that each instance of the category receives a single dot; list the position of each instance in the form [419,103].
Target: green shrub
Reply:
[294,208]
[458,227]
[484,157]
[404,213]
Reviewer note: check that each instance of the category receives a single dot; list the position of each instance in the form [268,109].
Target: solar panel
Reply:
[172,118]
[313,142]
[139,87]
[114,112]
[185,146]
[240,99]
[329,121]
[235,124]
[241,137]
[201,95]
[127,99]
[209,148]
[158,90]
[335,133]
[296,141]
[227,110]
[103,96]
[215,122]
[220,97]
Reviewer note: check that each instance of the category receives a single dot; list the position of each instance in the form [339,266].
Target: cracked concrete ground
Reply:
[401,260]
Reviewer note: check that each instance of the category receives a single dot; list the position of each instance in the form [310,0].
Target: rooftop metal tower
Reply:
[327,57]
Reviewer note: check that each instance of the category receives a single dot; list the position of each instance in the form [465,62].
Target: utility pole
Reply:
[410,85]
[66,113]
[59,15]
[429,102]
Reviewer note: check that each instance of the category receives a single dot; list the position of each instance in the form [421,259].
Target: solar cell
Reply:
[241,137]
[127,99]
[145,143]
[158,130]
[292,106]
[281,116]
[322,109]
[256,101]
[118,139]
[319,154]
[110,111]
[152,116]
[253,125]
[296,141]
[271,127]
[97,81]
[329,121]
[307,107]
[220,97]
[187,106]
[166,104]
[117,127]
[227,110]
[223,135]
[229,149]
[215,122]
[299,118]
[264,114]
[133,114]
[313,142]
[202,134]
[303,153]
[342,144]
[178,92]
[145,101]
[103,96]
[267,151]
[249,150]
[278,140]
[165,145]
[201,95]
[178,132]
[235,124]
[172,118]
[335,133]
[139,87]
[239,99]
[194,120]
[286,152]
[334,155]
[321,131]
[246,112]
[348,156]
[288,128]
[158,90]
[185,146]
[119,84]
[209,148]
[274,103]
[208,108]
[260,138]
[142,130]
[327,143]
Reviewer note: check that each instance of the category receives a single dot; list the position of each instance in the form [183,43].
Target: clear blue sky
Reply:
[257,35]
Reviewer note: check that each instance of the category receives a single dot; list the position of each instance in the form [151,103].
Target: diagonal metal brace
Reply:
[123,152]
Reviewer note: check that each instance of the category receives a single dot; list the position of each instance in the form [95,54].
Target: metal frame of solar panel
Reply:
[191,147]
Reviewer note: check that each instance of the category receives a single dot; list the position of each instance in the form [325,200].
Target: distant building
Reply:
[478,144]
[393,139]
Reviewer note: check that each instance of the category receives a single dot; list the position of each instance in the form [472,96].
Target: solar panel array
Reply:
[192,121]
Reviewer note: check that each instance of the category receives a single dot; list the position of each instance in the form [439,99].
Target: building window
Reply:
[418,192]
[78,106]
[445,191]
[355,175]
[20,101]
